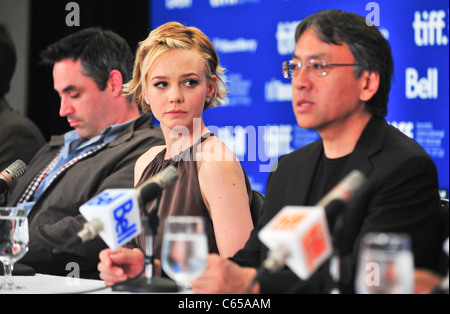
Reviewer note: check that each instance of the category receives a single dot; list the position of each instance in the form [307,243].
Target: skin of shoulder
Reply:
[144,160]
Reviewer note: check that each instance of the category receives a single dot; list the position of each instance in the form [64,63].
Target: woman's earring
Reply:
[208,100]
[147,102]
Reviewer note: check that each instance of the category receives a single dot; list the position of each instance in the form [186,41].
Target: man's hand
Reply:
[120,265]
[224,276]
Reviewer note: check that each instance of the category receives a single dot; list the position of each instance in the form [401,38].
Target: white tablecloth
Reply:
[47,284]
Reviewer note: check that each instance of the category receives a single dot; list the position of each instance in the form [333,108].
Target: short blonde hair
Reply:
[174,35]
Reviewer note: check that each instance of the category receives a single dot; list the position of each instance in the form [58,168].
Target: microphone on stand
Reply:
[8,178]
[150,220]
[115,214]
[299,236]
[9,175]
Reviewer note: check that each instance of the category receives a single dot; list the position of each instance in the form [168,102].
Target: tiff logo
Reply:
[428,28]
[286,37]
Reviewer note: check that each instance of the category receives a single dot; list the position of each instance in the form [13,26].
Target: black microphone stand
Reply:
[150,221]
[335,261]
[335,268]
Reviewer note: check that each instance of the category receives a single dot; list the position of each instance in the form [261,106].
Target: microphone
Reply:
[151,191]
[115,214]
[153,187]
[299,236]
[9,175]
[339,197]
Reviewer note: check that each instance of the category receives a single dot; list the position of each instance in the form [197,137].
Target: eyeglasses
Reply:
[316,66]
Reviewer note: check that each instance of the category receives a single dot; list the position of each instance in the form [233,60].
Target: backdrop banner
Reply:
[253,38]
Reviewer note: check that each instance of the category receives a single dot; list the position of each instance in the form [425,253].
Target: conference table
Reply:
[48,284]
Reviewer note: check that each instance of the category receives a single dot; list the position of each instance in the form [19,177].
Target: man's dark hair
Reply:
[100,52]
[371,50]
[8,60]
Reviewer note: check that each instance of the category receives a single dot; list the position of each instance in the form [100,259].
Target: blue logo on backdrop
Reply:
[104,199]
[123,229]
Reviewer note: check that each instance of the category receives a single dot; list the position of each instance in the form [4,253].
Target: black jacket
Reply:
[55,217]
[401,196]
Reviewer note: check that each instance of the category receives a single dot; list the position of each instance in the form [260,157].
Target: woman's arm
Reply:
[222,183]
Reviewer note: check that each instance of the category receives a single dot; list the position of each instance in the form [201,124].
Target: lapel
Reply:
[57,141]
[369,144]
[129,132]
[302,176]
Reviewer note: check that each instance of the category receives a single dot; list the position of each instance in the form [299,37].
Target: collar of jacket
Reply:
[369,144]
[58,140]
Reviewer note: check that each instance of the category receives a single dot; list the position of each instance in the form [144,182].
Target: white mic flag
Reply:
[118,214]
[115,214]
[302,233]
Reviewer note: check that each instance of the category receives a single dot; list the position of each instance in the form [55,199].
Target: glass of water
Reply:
[13,241]
[386,264]
[184,251]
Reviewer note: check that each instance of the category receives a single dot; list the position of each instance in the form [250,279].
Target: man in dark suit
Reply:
[341,72]
[20,138]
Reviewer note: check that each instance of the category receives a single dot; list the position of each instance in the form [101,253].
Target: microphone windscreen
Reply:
[304,233]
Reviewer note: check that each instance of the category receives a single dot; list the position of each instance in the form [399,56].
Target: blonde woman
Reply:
[176,77]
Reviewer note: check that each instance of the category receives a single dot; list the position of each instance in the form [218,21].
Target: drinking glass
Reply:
[184,251]
[386,264]
[13,241]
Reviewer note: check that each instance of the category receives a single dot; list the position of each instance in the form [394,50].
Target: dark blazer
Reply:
[20,138]
[55,217]
[401,196]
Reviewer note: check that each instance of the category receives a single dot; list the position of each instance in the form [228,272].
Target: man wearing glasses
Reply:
[341,76]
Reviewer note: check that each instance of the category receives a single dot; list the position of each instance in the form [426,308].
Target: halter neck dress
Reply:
[184,197]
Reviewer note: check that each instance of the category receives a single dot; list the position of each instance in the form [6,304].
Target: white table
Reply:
[47,284]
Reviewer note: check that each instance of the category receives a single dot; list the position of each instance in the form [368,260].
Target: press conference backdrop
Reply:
[253,38]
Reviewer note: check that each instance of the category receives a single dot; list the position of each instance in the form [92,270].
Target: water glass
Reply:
[386,264]
[13,242]
[184,251]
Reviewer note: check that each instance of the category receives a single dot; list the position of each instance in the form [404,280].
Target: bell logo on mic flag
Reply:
[118,210]
[303,232]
